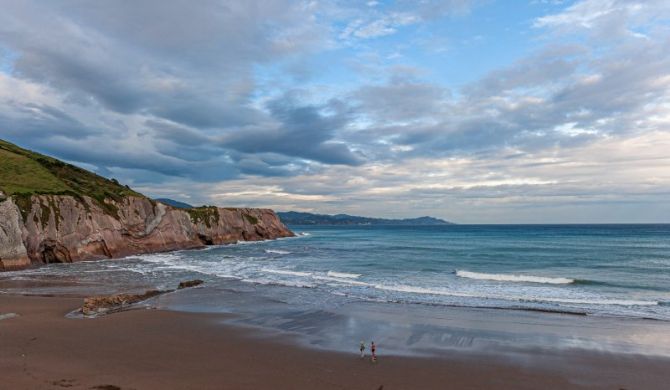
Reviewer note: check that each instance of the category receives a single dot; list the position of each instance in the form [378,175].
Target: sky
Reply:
[475,111]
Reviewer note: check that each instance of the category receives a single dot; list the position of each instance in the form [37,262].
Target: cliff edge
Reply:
[51,212]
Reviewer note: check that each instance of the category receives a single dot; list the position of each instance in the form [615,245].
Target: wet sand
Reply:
[159,349]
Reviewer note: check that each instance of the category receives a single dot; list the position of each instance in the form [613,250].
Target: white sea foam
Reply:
[517,298]
[341,280]
[286,272]
[343,275]
[255,242]
[513,278]
[160,258]
[422,290]
[273,282]
[277,251]
[615,302]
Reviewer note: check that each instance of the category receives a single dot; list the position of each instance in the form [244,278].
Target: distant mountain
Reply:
[298,218]
[175,203]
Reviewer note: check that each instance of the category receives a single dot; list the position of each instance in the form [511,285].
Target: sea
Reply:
[410,276]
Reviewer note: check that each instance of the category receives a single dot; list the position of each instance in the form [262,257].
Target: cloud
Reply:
[297,105]
[377,23]
[192,64]
[400,100]
[298,130]
[562,95]
[385,25]
[606,19]
[535,187]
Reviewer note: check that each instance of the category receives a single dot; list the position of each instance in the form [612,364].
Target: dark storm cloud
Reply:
[187,67]
[181,135]
[28,120]
[301,130]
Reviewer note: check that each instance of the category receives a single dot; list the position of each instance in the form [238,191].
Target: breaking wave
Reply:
[277,251]
[285,272]
[513,278]
[343,275]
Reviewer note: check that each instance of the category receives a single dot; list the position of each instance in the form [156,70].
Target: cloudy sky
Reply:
[475,111]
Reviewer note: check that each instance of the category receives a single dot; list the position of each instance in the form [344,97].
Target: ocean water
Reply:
[597,270]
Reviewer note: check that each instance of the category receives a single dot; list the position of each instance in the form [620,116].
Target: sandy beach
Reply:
[160,349]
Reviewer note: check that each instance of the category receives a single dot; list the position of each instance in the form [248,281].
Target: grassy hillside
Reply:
[24,173]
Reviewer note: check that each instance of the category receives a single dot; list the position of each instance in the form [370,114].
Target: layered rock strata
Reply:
[42,229]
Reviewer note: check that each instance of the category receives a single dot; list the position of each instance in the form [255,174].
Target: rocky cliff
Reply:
[52,211]
[41,229]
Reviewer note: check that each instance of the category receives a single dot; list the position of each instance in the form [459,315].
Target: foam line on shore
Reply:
[576,301]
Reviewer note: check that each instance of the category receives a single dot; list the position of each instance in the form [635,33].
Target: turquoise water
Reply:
[602,270]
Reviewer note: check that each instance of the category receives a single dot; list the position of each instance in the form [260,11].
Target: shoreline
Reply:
[153,349]
[327,322]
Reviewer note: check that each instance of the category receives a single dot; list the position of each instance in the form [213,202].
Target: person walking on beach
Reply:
[362,349]
[373,350]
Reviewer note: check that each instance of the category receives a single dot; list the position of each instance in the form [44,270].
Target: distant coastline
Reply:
[299,218]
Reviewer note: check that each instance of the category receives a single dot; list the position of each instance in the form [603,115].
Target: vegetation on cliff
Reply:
[251,219]
[205,214]
[24,173]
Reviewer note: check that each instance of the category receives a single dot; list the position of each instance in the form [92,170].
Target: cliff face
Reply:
[41,229]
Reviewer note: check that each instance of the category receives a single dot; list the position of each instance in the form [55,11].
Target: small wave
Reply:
[513,278]
[304,234]
[254,242]
[277,251]
[343,275]
[341,280]
[159,258]
[285,272]
[421,290]
[283,283]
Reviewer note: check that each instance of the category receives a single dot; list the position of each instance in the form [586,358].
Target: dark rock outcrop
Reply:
[190,283]
[113,303]
[61,228]
[108,304]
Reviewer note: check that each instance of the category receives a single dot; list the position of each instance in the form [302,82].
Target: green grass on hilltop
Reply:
[20,174]
[24,173]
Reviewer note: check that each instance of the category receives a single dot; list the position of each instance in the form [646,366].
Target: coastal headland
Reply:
[54,212]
